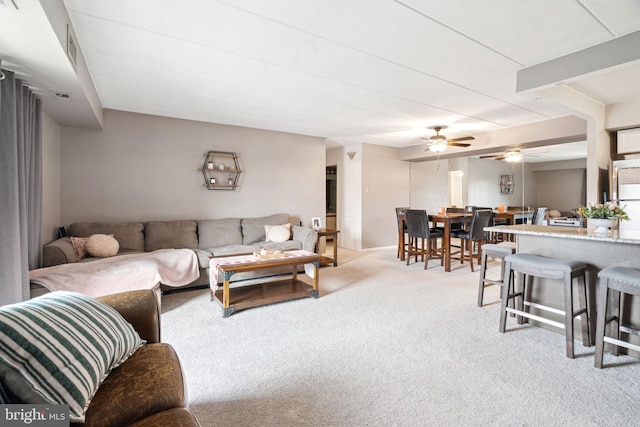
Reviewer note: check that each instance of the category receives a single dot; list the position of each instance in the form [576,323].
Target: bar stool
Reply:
[402,232]
[530,266]
[495,251]
[617,280]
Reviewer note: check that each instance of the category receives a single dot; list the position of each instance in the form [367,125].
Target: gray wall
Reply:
[143,167]
[50,179]
[484,183]
[385,181]
[429,185]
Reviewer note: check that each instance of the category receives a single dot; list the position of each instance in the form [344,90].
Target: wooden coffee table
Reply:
[261,293]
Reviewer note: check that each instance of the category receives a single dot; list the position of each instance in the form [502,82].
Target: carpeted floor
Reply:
[389,345]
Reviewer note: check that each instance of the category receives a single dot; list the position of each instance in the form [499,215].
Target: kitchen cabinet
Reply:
[629,141]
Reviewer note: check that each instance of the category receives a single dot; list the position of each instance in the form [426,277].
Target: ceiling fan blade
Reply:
[464,138]
[457,144]
[493,156]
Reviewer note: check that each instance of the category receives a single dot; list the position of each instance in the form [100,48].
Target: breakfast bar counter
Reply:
[598,251]
[615,236]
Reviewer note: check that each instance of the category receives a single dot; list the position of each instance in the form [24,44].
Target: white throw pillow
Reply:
[102,245]
[277,233]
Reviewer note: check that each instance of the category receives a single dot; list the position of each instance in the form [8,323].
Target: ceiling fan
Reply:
[438,143]
[512,156]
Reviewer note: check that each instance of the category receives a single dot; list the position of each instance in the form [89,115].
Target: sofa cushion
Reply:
[170,235]
[233,250]
[277,233]
[130,235]
[219,232]
[253,228]
[287,245]
[62,345]
[102,245]
[150,381]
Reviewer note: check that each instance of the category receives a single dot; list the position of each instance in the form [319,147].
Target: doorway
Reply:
[332,207]
[455,188]
[332,197]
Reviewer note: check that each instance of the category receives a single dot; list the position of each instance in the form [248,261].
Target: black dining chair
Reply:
[474,235]
[420,233]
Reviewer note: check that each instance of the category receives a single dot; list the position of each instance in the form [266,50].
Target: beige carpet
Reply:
[389,345]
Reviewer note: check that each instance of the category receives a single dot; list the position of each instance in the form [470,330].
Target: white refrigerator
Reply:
[625,191]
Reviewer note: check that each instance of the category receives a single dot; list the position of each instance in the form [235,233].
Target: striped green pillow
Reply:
[63,345]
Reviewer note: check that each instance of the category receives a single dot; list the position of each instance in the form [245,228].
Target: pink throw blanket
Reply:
[172,267]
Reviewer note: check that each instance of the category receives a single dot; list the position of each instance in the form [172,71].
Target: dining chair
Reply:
[420,232]
[495,237]
[474,235]
[402,230]
[538,216]
[459,225]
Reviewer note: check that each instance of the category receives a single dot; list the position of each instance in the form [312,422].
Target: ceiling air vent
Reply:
[61,96]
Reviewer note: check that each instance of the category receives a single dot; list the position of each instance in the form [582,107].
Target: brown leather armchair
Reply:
[148,389]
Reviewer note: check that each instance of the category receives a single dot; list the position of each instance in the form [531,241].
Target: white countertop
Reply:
[615,236]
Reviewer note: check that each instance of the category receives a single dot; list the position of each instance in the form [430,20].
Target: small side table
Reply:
[325,232]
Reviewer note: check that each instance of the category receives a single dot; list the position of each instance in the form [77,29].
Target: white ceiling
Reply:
[373,71]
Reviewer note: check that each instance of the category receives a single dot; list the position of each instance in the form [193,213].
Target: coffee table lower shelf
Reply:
[264,293]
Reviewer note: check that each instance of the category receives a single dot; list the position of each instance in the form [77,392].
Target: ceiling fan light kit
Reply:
[438,143]
[438,147]
[513,156]
[507,156]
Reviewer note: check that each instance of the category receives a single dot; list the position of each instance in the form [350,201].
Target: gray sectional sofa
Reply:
[206,237]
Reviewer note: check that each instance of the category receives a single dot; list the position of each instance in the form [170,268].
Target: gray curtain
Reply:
[20,187]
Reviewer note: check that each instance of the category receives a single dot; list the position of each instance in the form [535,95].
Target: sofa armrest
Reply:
[308,237]
[141,309]
[59,251]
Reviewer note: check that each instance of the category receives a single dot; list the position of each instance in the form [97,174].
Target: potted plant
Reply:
[603,215]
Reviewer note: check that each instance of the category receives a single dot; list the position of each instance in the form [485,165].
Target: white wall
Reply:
[349,214]
[50,179]
[143,167]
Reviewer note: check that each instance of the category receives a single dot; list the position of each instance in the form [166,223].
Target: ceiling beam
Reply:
[600,58]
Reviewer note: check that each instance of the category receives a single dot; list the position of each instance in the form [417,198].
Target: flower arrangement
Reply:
[607,210]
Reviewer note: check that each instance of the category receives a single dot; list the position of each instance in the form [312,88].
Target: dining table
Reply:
[512,217]
[446,220]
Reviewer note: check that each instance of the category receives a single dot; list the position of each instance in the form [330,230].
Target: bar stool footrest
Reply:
[628,330]
[534,317]
[544,307]
[620,343]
